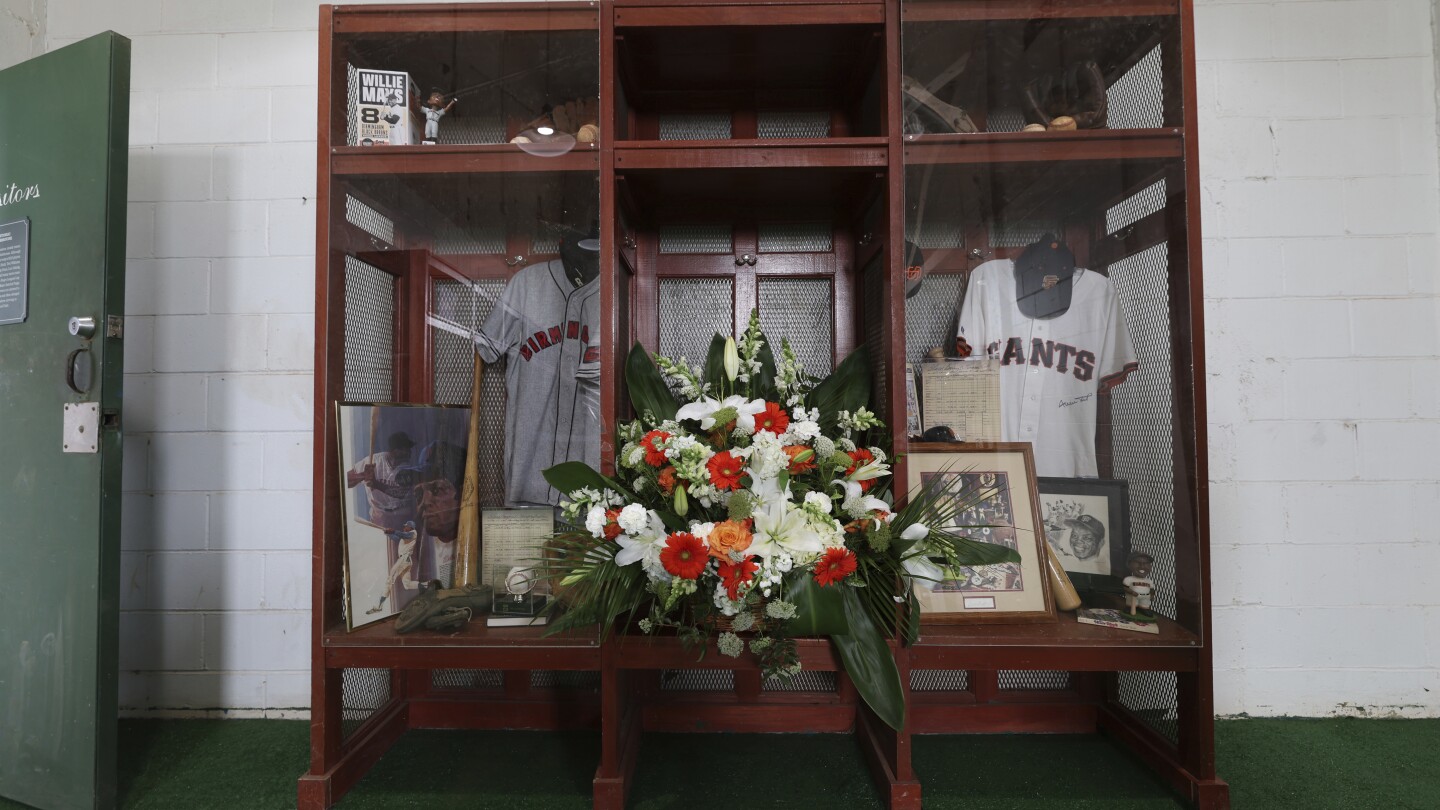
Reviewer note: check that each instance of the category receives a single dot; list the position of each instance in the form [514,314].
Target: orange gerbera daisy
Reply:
[725,470]
[733,575]
[654,456]
[773,419]
[684,555]
[837,564]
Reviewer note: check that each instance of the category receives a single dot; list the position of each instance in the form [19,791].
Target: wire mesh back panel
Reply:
[369,220]
[708,238]
[564,679]
[930,314]
[806,680]
[697,680]
[352,101]
[1136,207]
[1144,424]
[695,127]
[466,679]
[796,124]
[800,311]
[466,309]
[692,312]
[1137,99]
[795,237]
[1033,680]
[362,693]
[472,129]
[1152,697]
[369,333]
[939,680]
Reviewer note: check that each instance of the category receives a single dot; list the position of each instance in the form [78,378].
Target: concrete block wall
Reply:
[1318,159]
[1320,213]
[220,299]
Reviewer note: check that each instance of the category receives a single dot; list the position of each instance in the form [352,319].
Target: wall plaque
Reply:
[14,270]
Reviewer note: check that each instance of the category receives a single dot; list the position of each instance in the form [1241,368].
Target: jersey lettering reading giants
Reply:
[1051,368]
[547,329]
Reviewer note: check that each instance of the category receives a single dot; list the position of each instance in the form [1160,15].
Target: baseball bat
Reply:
[467,534]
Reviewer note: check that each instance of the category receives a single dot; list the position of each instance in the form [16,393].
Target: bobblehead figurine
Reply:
[435,109]
[1139,589]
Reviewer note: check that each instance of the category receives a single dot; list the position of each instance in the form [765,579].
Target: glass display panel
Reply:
[465,250]
[1047,272]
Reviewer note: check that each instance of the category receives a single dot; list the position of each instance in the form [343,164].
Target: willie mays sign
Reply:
[14,270]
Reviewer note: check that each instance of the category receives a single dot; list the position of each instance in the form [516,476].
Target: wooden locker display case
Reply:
[763,155]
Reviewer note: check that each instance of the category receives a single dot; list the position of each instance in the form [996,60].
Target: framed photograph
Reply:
[998,482]
[1087,523]
[401,470]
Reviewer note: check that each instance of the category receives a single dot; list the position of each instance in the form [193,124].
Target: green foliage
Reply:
[869,663]
[715,367]
[846,389]
[591,589]
[648,391]
[569,476]
[821,607]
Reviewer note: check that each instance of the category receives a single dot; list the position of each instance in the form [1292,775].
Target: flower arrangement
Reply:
[752,498]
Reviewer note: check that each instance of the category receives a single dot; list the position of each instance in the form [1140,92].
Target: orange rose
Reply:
[667,480]
[798,467]
[728,536]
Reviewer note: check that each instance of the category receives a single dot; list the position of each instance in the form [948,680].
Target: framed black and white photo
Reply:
[1087,523]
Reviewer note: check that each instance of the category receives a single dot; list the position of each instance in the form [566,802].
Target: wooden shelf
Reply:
[980,10]
[1063,645]
[666,652]
[656,14]
[447,18]
[457,159]
[752,154]
[1031,147]
[475,645]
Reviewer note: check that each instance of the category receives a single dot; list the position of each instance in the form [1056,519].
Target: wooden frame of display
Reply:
[633,165]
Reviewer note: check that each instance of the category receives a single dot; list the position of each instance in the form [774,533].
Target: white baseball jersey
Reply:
[548,330]
[1052,369]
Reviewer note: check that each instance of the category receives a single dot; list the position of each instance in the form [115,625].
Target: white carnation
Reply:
[702,530]
[802,432]
[633,519]
[818,500]
[595,521]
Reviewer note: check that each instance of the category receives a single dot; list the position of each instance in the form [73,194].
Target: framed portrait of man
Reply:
[1087,524]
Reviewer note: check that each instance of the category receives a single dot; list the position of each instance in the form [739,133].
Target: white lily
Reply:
[857,504]
[707,407]
[869,471]
[915,563]
[633,547]
[781,526]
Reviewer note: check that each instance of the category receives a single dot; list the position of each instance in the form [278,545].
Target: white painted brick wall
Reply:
[1321,213]
[1319,161]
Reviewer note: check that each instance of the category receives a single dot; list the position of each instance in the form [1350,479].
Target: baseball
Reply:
[1062,123]
[1034,128]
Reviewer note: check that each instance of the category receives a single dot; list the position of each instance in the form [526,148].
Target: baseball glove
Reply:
[1077,92]
[444,610]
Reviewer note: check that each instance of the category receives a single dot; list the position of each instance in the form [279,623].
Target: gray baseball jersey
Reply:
[1051,369]
[548,330]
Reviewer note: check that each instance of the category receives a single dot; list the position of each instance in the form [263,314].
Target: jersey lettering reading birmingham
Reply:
[543,326]
[1050,367]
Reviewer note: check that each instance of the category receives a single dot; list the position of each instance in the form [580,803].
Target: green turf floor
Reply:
[1311,764]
